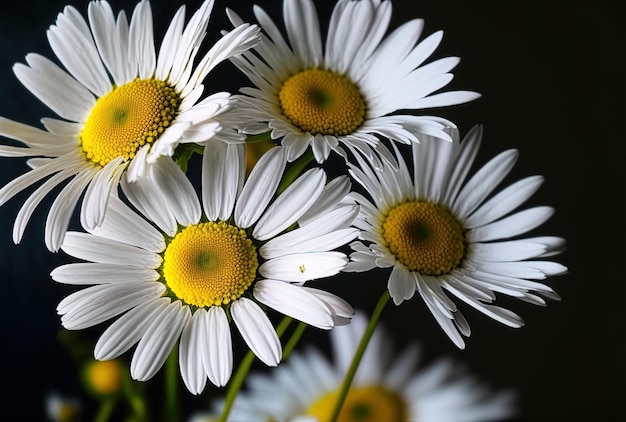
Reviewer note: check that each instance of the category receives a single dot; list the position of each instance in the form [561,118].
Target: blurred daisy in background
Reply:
[388,387]
[121,106]
[349,90]
[60,408]
[191,273]
[439,232]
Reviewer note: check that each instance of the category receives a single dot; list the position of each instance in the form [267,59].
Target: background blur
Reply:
[552,79]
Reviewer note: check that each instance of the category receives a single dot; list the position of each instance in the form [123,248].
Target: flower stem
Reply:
[261,137]
[172,408]
[356,359]
[106,409]
[295,170]
[242,371]
[293,340]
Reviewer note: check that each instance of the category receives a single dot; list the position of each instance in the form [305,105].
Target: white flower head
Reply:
[349,90]
[387,386]
[121,106]
[438,231]
[191,273]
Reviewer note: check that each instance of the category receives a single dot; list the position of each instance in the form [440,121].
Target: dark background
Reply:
[552,79]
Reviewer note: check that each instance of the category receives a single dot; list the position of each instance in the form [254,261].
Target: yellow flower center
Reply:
[321,101]
[210,264]
[362,404]
[126,118]
[105,377]
[424,237]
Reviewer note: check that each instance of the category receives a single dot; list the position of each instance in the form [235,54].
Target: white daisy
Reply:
[350,90]
[121,106]
[386,387]
[438,231]
[193,274]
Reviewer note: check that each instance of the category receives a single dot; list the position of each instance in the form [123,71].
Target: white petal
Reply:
[94,273]
[158,341]
[260,187]
[176,190]
[128,329]
[92,248]
[291,204]
[190,357]
[96,304]
[401,284]
[512,225]
[222,166]
[55,88]
[296,302]
[217,353]
[257,330]
[304,266]
[141,40]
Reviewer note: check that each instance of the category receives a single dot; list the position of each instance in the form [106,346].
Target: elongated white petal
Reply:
[260,187]
[217,353]
[401,284]
[295,302]
[291,204]
[302,267]
[94,273]
[92,248]
[222,166]
[158,341]
[513,225]
[257,330]
[128,329]
[93,305]
[55,88]
[190,357]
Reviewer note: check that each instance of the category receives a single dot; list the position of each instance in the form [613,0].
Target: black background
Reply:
[551,76]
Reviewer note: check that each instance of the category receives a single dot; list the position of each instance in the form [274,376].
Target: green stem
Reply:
[293,340]
[105,410]
[172,406]
[242,371]
[295,170]
[261,137]
[356,360]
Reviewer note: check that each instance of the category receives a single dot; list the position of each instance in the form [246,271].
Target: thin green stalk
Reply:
[261,137]
[295,170]
[105,410]
[237,380]
[356,360]
[172,405]
[293,340]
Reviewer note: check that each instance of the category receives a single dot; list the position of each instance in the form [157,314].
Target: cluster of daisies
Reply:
[178,263]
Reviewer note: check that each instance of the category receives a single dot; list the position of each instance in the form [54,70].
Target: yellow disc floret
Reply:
[104,377]
[322,102]
[362,404]
[128,117]
[210,264]
[424,237]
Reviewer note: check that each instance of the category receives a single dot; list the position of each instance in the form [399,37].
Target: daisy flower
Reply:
[388,386]
[350,90]
[439,232]
[121,106]
[199,267]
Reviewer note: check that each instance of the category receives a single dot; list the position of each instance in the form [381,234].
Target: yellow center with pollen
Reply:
[362,404]
[127,118]
[424,237]
[210,264]
[322,102]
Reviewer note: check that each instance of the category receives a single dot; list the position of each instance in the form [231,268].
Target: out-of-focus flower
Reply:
[349,90]
[192,274]
[387,387]
[121,107]
[62,409]
[103,378]
[438,231]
